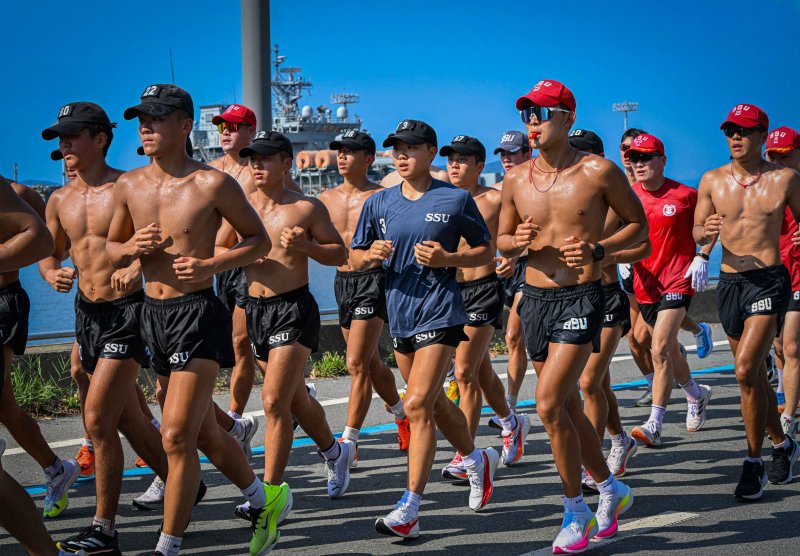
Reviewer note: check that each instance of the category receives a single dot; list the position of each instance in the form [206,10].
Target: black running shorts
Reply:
[570,315]
[794,302]
[110,330]
[232,288]
[360,295]
[666,301]
[193,326]
[451,336]
[282,320]
[483,300]
[618,308]
[15,307]
[513,285]
[740,295]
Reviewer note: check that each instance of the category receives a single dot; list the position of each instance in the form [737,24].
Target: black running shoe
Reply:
[201,492]
[783,459]
[92,540]
[752,482]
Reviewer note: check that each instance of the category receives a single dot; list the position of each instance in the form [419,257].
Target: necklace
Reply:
[556,171]
[755,179]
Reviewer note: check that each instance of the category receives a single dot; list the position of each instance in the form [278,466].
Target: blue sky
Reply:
[459,65]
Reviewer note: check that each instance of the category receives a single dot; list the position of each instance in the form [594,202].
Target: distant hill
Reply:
[40,182]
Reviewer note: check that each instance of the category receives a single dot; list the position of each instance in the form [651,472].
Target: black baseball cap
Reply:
[267,143]
[74,117]
[464,144]
[189,148]
[586,141]
[413,132]
[513,141]
[355,141]
[160,100]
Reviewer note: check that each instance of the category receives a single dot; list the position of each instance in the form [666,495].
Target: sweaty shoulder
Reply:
[598,167]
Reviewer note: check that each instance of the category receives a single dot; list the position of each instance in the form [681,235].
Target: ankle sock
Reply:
[412,499]
[398,410]
[512,402]
[692,390]
[509,423]
[106,525]
[576,504]
[169,545]
[780,381]
[351,434]
[649,379]
[233,415]
[55,469]
[473,460]
[255,494]
[619,439]
[609,486]
[332,452]
[156,424]
[657,414]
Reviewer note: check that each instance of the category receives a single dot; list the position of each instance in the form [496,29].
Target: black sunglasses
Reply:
[731,130]
[635,157]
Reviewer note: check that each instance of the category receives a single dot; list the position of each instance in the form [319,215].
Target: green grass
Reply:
[41,394]
[390,360]
[329,365]
[498,347]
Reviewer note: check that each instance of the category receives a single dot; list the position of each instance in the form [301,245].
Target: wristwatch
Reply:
[702,255]
[598,252]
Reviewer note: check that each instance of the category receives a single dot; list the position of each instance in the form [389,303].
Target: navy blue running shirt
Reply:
[418,298]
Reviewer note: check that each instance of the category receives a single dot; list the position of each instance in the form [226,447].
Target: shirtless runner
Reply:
[166,214]
[482,293]
[744,203]
[556,207]
[361,296]
[283,319]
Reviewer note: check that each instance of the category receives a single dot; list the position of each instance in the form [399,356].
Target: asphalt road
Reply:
[683,490]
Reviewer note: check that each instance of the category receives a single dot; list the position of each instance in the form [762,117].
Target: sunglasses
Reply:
[232,127]
[624,147]
[636,157]
[541,113]
[731,130]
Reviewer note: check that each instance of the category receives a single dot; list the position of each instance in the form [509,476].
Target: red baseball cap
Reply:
[646,143]
[782,140]
[747,115]
[236,114]
[547,93]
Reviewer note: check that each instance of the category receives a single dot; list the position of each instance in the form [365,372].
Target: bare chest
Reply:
[85,214]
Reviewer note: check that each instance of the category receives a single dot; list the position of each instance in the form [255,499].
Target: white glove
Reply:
[625,271]
[698,270]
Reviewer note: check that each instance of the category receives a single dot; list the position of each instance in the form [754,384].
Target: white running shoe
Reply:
[588,484]
[481,481]
[250,424]
[618,457]
[153,497]
[577,529]
[645,400]
[648,434]
[696,410]
[402,521]
[514,440]
[242,511]
[610,507]
[56,500]
[789,426]
[339,469]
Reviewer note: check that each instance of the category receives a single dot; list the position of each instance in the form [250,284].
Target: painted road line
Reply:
[632,529]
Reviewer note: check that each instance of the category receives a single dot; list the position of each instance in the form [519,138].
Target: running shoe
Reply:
[789,426]
[648,434]
[576,531]
[403,433]
[402,521]
[312,391]
[82,553]
[618,457]
[85,458]
[339,469]
[783,460]
[55,500]
[610,507]
[696,410]
[588,485]
[646,399]
[494,423]
[140,462]
[153,497]
[264,520]
[455,470]
[92,540]
[481,481]
[752,482]
[250,427]
[772,370]
[451,386]
[242,511]
[780,399]
[514,440]
[355,458]
[704,340]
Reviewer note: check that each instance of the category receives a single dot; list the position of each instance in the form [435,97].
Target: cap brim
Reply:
[393,139]
[149,108]
[219,118]
[56,155]
[447,150]
[537,99]
[782,150]
[511,149]
[641,150]
[346,144]
[63,128]
[741,123]
[262,150]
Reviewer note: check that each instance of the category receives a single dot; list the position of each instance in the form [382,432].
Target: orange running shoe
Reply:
[85,458]
[140,462]
[403,433]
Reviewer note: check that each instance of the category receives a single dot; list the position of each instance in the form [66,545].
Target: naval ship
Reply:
[310,129]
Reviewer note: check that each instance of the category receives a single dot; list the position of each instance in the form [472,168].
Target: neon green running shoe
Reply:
[265,520]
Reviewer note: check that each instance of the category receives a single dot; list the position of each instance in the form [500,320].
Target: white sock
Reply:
[106,525]
[780,382]
[509,423]
[576,504]
[473,461]
[512,402]
[609,486]
[255,494]
[237,429]
[169,545]
[234,415]
[649,379]
[156,424]
[351,434]
[332,452]
[692,390]
[398,410]
[784,444]
[54,470]
[88,443]
[657,414]
[754,460]
[412,499]
[619,439]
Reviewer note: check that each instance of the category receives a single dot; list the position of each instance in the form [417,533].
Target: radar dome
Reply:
[307,111]
[341,112]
